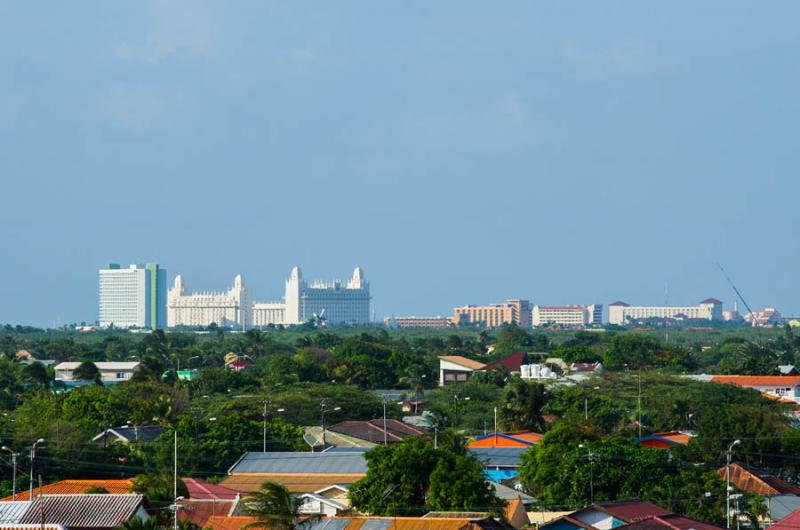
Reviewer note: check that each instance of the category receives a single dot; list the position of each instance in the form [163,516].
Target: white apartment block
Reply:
[568,315]
[132,297]
[231,308]
[620,313]
[335,302]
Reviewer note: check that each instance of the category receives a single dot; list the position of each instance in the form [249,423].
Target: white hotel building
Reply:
[568,315]
[336,302]
[620,313]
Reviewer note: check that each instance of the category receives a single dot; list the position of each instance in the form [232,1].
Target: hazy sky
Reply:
[460,152]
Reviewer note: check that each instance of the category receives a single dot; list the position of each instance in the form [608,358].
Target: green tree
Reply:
[36,372]
[457,484]
[412,477]
[87,371]
[134,523]
[523,406]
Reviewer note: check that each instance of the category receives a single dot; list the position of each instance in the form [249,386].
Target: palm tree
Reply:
[524,404]
[134,523]
[274,507]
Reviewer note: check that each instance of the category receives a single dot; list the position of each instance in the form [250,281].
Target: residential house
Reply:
[300,472]
[128,434]
[671,521]
[789,522]
[507,439]
[110,372]
[779,386]
[788,369]
[606,515]
[664,440]
[456,522]
[86,511]
[206,500]
[74,487]
[595,367]
[330,501]
[12,511]
[454,369]
[376,431]
[780,497]
[500,464]
[512,363]
[313,436]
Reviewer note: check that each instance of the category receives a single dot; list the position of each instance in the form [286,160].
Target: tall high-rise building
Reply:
[134,297]
[336,302]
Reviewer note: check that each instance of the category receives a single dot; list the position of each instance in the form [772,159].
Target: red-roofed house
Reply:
[665,439]
[790,522]
[373,430]
[671,520]
[511,439]
[606,515]
[512,363]
[780,386]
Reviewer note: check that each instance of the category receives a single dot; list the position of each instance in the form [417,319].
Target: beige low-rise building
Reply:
[491,316]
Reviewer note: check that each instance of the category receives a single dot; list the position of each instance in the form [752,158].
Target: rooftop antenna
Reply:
[735,289]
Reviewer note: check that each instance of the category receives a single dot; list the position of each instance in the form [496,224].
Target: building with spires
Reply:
[231,308]
[333,302]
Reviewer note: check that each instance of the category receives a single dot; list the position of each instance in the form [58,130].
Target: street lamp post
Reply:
[33,458]
[265,402]
[14,472]
[323,408]
[455,407]
[728,484]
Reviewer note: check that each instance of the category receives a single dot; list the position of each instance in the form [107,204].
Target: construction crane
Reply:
[750,311]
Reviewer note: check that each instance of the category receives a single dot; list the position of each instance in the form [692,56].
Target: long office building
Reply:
[334,302]
[620,313]
[568,315]
[417,322]
[491,316]
[133,297]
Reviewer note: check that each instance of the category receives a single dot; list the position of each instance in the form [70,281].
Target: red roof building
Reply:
[511,363]
[373,430]
[790,522]
[753,481]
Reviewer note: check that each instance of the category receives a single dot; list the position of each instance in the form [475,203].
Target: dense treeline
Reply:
[219,415]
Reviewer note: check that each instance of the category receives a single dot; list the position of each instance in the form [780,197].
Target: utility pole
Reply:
[175,481]
[265,403]
[323,407]
[728,484]
[639,400]
[32,455]
[14,472]
[385,442]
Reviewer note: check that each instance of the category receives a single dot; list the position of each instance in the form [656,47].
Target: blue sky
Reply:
[460,152]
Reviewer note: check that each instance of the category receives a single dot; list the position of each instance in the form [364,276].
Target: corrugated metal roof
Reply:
[299,462]
[83,511]
[498,456]
[12,511]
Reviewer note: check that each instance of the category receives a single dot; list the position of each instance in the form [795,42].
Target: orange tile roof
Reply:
[758,380]
[294,482]
[462,361]
[756,482]
[71,487]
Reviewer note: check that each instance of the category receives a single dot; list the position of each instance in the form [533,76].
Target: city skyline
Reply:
[460,152]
